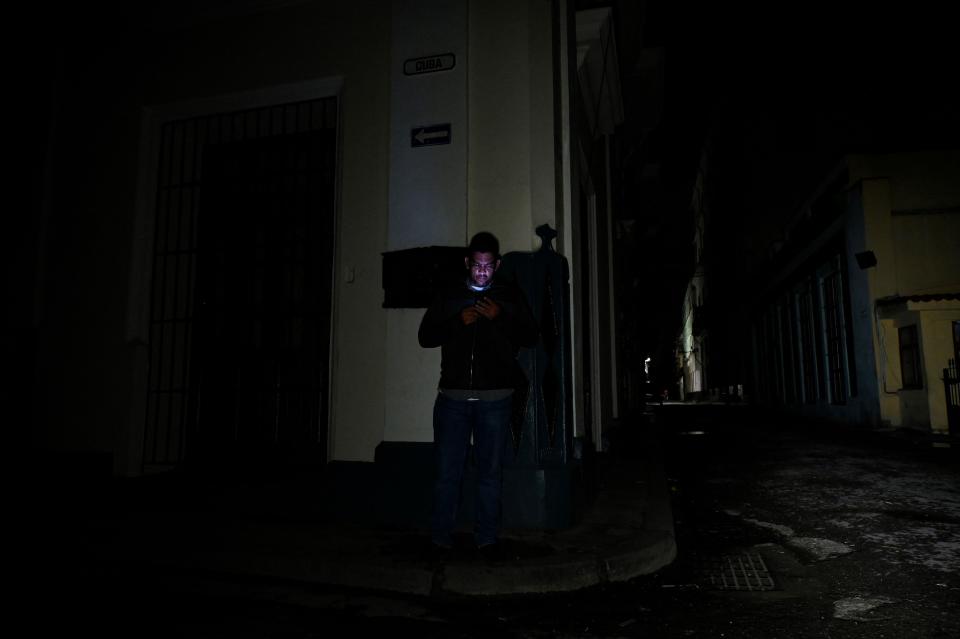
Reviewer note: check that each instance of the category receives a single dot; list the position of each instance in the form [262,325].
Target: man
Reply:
[480,326]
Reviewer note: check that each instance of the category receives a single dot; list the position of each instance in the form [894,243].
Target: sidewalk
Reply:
[625,532]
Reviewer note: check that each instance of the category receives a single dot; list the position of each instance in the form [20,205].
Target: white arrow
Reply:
[422,136]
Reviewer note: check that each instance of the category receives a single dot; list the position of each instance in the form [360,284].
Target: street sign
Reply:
[429,64]
[430,135]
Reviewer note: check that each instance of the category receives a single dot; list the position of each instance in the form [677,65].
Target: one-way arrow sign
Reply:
[430,135]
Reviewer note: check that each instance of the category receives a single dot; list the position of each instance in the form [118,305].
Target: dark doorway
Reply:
[263,290]
[240,306]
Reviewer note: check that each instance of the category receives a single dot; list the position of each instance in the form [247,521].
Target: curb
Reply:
[649,552]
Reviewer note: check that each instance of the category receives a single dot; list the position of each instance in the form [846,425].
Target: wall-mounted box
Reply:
[411,277]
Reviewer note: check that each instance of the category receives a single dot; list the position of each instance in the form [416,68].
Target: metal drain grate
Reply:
[737,572]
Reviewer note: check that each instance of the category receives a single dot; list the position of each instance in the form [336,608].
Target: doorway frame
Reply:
[136,325]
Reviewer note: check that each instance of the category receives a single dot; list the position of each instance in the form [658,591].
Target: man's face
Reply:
[481,267]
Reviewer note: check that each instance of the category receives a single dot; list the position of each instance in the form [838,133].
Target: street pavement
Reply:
[857,530]
[857,533]
[624,530]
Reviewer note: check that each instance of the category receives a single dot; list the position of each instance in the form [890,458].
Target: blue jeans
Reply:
[453,422]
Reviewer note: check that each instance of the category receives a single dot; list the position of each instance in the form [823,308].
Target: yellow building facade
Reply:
[911,209]
[859,315]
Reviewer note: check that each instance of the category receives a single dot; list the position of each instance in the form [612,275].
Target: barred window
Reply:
[834,336]
[808,355]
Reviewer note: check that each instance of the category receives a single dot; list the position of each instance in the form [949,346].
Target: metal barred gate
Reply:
[240,292]
[951,387]
[951,384]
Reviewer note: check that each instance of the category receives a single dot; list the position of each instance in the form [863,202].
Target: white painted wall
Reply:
[411,378]
[511,150]
[428,193]
[428,184]
[496,175]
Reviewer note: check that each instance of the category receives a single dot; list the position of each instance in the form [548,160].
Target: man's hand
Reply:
[488,308]
[469,315]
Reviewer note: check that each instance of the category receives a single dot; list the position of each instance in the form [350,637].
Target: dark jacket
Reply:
[483,355]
